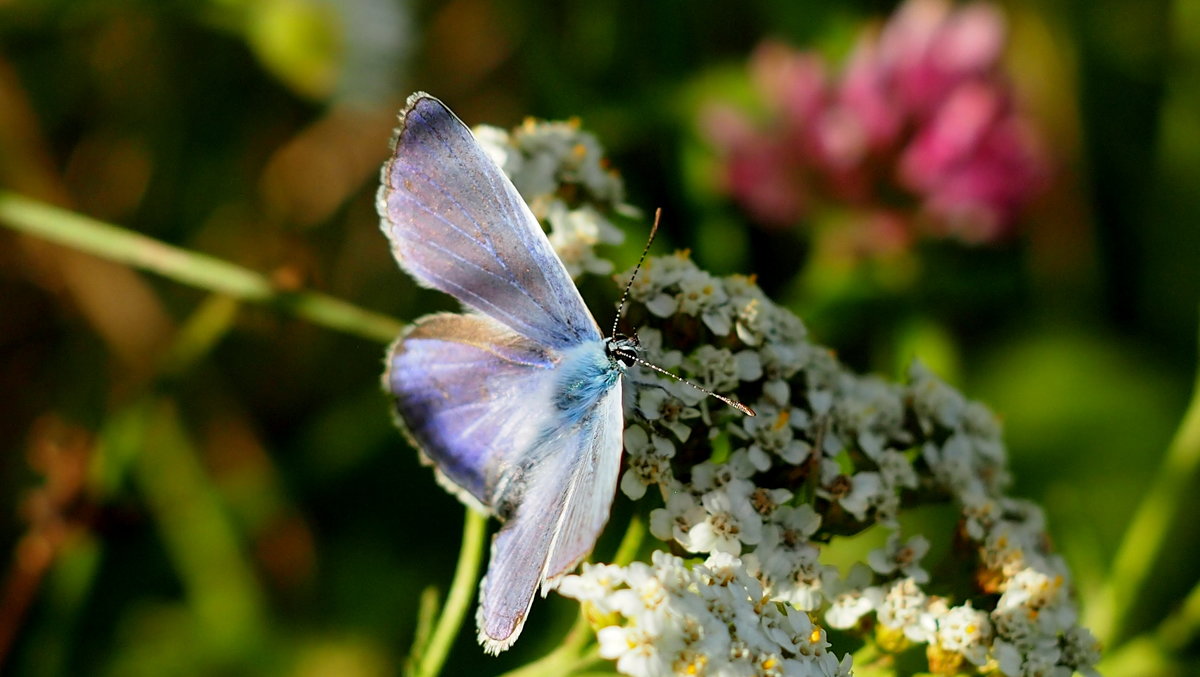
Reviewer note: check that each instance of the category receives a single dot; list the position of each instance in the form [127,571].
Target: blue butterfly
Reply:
[517,405]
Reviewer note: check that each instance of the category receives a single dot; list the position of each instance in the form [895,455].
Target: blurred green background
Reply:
[284,527]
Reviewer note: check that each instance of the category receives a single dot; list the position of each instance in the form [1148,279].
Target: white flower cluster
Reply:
[830,454]
[708,619]
[559,171]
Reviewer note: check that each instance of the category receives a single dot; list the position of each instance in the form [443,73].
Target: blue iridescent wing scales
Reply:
[457,224]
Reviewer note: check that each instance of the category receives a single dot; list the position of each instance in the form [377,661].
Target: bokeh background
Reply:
[282,526]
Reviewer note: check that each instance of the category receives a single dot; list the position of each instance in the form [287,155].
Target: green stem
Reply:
[568,657]
[427,611]
[198,270]
[631,542]
[1180,629]
[200,537]
[433,655]
[1148,530]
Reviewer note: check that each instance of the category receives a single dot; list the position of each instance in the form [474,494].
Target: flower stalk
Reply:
[429,659]
[1148,531]
[187,267]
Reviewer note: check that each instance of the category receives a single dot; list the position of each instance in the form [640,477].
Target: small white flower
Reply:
[903,608]
[852,597]
[1080,650]
[674,521]
[777,392]
[832,667]
[560,153]
[645,592]
[848,607]
[866,490]
[966,631]
[1042,661]
[781,361]
[574,234]
[650,343]
[980,513]
[766,501]
[1007,656]
[648,458]
[734,473]
[671,571]
[872,408]
[595,584]
[794,576]
[739,662]
[984,428]
[701,294]
[792,526]
[896,470]
[658,403]
[953,464]
[904,560]
[773,435]
[935,403]
[690,661]
[658,275]
[721,370]
[731,522]
[641,648]
[1032,589]
[808,639]
[821,401]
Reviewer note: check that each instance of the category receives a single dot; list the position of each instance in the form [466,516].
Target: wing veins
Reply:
[515,213]
[489,249]
[463,293]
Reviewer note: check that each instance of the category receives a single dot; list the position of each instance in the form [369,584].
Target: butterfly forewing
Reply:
[457,224]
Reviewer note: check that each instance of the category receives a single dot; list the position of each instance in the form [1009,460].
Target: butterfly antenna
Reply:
[733,403]
[638,267]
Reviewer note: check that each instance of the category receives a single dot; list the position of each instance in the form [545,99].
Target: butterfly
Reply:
[517,403]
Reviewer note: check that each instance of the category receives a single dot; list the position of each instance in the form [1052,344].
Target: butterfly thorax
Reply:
[586,373]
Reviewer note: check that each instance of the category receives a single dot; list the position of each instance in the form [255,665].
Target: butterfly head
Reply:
[622,350]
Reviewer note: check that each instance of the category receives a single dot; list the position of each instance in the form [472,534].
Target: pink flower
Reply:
[921,126]
[976,163]
[762,173]
[792,82]
[929,49]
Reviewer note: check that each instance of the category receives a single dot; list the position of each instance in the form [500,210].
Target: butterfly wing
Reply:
[564,506]
[466,389]
[457,224]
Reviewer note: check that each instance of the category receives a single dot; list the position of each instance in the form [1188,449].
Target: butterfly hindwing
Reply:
[457,223]
[467,391]
[566,497]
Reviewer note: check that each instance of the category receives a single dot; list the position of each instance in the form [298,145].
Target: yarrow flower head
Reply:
[747,510]
[921,114]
